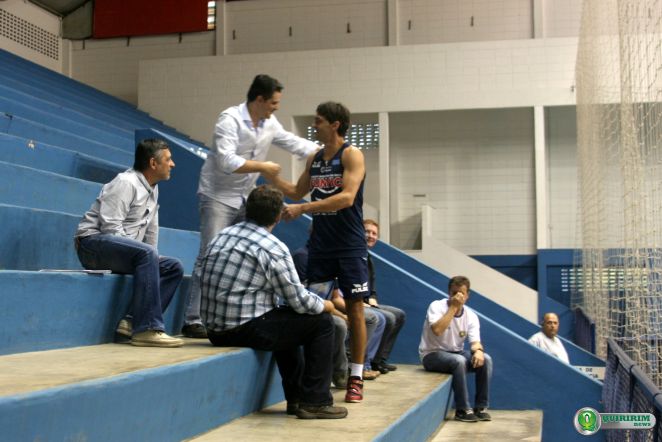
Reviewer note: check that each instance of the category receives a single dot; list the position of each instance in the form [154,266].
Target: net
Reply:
[619,117]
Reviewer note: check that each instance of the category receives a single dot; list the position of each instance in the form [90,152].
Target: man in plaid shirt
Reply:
[252,297]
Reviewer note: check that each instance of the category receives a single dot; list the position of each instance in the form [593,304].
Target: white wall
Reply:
[561,18]
[291,25]
[561,130]
[32,33]
[476,168]
[443,21]
[112,64]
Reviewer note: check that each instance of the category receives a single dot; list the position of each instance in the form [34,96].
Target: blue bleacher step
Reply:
[116,392]
[405,405]
[54,310]
[34,239]
[49,158]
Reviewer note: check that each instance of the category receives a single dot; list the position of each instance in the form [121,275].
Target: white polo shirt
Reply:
[552,346]
[452,339]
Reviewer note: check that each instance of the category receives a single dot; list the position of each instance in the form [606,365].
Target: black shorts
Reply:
[351,273]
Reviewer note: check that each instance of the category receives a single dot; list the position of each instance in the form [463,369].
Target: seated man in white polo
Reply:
[447,326]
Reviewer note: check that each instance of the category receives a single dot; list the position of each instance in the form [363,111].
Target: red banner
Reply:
[123,18]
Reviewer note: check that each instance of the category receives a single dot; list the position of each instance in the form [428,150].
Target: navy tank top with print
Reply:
[338,234]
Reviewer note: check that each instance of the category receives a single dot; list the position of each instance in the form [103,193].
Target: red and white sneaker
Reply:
[354,389]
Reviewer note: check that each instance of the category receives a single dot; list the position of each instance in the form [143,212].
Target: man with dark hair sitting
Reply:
[120,233]
[252,297]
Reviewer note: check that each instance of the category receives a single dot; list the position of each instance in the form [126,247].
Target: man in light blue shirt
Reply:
[242,137]
[120,233]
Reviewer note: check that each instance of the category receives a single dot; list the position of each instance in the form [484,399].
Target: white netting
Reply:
[619,113]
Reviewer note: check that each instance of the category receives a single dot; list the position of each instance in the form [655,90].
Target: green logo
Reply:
[587,421]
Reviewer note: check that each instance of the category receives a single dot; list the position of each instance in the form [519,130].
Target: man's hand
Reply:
[477,359]
[270,170]
[292,211]
[372,302]
[457,300]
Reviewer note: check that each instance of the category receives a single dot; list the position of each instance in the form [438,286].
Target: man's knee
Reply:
[173,265]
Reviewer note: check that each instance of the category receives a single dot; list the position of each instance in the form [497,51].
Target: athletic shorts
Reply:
[351,273]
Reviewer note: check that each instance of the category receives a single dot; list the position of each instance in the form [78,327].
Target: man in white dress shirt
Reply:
[547,340]
[242,137]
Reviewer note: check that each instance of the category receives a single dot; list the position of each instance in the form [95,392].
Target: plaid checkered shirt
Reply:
[247,272]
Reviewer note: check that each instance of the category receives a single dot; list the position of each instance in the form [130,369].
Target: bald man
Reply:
[547,340]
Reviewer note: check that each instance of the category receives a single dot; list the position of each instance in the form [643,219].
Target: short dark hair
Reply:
[146,150]
[264,205]
[264,86]
[332,112]
[458,281]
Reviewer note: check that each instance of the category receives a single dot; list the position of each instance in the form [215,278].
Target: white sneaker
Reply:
[155,338]
[124,328]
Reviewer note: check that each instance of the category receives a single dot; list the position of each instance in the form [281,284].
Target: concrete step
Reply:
[118,392]
[405,405]
[505,426]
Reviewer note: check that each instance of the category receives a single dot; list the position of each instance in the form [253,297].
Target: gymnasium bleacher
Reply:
[59,140]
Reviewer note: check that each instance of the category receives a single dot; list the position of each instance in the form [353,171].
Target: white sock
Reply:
[356,370]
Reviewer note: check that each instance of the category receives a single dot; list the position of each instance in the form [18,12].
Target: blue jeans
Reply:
[155,278]
[395,319]
[339,350]
[374,325]
[214,217]
[458,365]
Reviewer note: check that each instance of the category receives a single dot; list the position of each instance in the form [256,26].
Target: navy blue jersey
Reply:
[338,234]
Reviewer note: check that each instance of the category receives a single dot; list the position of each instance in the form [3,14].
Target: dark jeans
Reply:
[459,364]
[306,375]
[155,278]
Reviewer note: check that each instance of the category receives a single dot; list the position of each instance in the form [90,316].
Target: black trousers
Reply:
[306,374]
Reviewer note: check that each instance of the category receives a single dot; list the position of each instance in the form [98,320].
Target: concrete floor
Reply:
[385,400]
[505,426]
[27,372]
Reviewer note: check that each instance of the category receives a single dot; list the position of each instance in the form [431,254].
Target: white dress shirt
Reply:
[235,141]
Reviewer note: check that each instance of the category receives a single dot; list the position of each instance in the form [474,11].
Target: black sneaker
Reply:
[465,416]
[197,331]
[321,412]
[482,414]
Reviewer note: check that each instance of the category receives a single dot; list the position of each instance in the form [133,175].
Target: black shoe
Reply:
[321,412]
[197,331]
[380,367]
[292,408]
[389,367]
[482,414]
[465,416]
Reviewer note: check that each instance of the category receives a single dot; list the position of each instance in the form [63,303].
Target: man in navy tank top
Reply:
[334,177]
